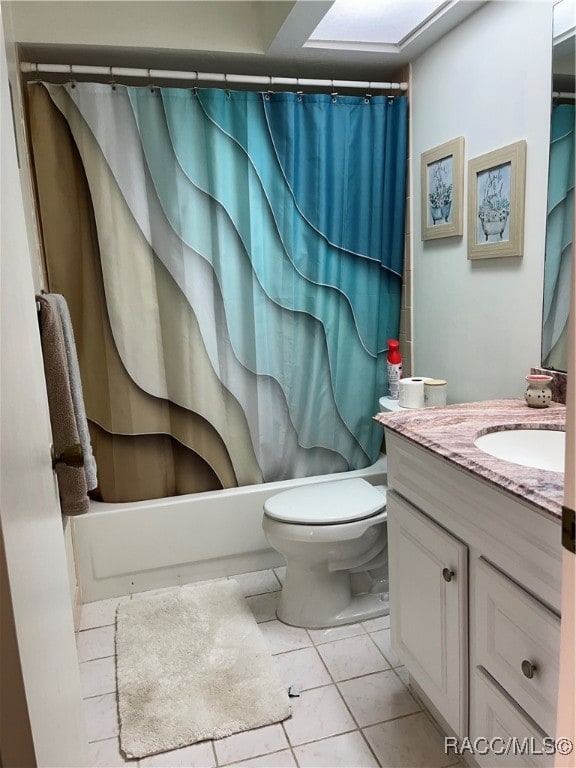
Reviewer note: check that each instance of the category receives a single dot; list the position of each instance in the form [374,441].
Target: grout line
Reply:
[381,651]
[214,751]
[398,717]
[325,665]
[290,747]
[363,735]
[345,702]
[131,762]
[374,641]
[91,629]
[217,761]
[97,695]
[97,658]
[325,738]
[99,626]
[261,594]
[395,670]
[352,715]
[338,639]
[354,677]
[239,763]
[96,741]
[366,674]
[253,757]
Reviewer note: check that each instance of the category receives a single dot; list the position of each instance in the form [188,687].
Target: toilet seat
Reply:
[330,503]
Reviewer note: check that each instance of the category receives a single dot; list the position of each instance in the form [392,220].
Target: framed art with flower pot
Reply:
[496,183]
[442,183]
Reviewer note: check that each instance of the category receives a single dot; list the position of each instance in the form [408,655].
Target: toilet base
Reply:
[360,608]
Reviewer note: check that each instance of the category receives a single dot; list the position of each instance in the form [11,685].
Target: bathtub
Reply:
[131,547]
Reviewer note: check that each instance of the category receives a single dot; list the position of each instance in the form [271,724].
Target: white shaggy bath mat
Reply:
[192,665]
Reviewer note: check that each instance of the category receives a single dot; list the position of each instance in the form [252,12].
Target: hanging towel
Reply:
[76,391]
[71,480]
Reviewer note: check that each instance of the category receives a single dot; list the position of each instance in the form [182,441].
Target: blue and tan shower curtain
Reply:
[559,261]
[233,266]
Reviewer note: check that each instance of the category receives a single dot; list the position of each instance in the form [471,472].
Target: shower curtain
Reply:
[559,261]
[233,266]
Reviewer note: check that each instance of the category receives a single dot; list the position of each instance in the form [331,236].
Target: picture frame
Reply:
[442,189]
[496,187]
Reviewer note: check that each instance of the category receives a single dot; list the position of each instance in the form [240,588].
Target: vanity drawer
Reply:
[493,716]
[517,640]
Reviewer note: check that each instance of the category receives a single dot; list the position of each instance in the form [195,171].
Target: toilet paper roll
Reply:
[412,392]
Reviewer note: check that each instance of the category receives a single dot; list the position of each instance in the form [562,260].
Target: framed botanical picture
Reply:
[442,183]
[496,184]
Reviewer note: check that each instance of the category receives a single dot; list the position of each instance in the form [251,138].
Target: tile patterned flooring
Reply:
[354,709]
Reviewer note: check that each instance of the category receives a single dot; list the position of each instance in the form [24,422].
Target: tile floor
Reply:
[354,709]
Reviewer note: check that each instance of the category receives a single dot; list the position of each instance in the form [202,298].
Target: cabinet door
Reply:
[428,608]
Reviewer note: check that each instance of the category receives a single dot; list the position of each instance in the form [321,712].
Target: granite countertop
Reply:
[450,432]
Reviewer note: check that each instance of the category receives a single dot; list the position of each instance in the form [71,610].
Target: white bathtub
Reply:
[124,548]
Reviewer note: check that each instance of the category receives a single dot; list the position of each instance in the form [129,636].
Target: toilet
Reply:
[333,536]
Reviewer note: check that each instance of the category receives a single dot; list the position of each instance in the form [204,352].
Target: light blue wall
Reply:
[478,323]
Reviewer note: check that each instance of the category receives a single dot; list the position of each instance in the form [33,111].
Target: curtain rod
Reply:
[165,74]
[563,95]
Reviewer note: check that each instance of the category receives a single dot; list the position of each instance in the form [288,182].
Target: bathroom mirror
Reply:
[559,261]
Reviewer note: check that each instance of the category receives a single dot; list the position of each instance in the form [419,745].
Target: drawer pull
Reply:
[528,669]
[447,574]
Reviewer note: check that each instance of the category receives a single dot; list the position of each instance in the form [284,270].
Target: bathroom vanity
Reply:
[475,572]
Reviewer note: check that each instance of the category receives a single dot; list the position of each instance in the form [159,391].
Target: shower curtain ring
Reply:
[112,81]
[37,80]
[194,88]
[72,81]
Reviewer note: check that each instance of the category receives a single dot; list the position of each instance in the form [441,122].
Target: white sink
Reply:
[539,448]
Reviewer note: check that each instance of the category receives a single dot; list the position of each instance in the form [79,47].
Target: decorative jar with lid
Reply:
[538,393]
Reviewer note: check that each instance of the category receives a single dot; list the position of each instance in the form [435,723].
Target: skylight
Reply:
[384,22]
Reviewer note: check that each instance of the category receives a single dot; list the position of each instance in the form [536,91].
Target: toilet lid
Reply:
[339,501]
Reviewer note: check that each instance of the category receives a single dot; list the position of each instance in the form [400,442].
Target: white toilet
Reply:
[333,536]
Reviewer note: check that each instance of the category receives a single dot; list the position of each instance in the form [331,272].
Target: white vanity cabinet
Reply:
[475,577]
[429,600]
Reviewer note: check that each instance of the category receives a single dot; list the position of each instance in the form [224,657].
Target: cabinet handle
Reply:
[528,669]
[447,574]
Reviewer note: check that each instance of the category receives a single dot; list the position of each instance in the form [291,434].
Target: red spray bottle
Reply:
[394,364]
